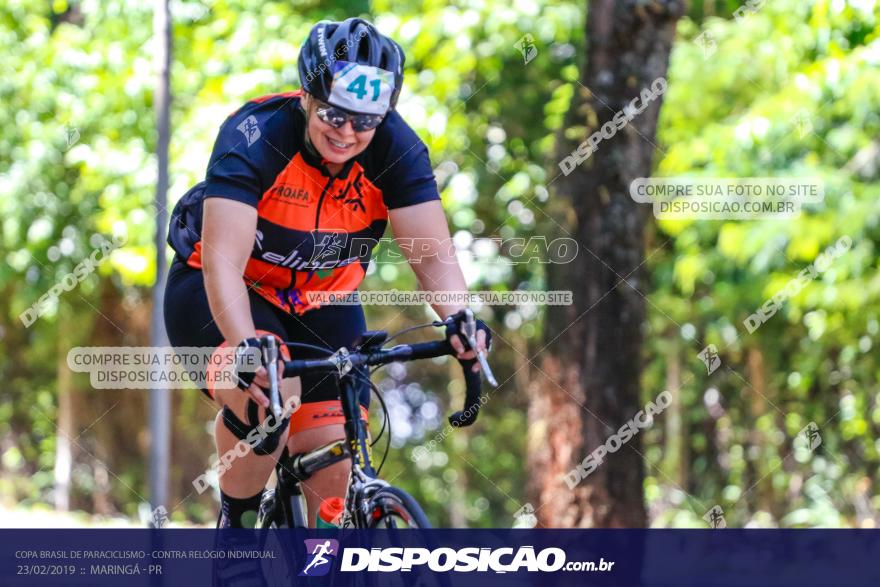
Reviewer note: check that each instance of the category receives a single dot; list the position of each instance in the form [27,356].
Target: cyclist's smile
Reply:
[337,145]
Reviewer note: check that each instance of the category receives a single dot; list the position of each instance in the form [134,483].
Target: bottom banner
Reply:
[728,558]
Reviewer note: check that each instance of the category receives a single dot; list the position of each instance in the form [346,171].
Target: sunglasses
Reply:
[337,117]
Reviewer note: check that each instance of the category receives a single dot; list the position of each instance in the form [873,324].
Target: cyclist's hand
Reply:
[459,343]
[261,382]
[463,354]
[250,380]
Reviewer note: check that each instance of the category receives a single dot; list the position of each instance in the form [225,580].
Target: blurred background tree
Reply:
[588,385]
[786,88]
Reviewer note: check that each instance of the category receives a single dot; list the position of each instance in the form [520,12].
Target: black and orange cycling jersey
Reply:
[315,231]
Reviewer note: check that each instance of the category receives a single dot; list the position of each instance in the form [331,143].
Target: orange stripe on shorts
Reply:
[316,414]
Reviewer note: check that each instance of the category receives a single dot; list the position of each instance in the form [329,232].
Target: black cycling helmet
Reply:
[354,40]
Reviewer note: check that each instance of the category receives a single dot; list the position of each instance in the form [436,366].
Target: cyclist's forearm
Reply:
[442,273]
[433,260]
[229,303]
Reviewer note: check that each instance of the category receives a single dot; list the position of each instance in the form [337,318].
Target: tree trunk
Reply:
[675,451]
[458,501]
[160,400]
[63,448]
[592,362]
[760,402]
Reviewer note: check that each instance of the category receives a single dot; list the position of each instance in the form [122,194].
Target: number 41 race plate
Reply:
[361,88]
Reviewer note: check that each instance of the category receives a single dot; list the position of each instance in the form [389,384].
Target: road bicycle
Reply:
[370,502]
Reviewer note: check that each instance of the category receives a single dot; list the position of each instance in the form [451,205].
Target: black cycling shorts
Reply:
[189,322]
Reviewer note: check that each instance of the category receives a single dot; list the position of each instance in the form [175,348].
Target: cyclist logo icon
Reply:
[250,129]
[329,249]
[320,554]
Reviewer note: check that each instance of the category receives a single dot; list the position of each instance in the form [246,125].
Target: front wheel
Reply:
[394,508]
[391,507]
[270,519]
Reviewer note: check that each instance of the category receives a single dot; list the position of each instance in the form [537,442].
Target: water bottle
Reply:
[330,513]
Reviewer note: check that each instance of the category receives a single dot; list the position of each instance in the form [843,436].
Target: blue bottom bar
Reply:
[656,558]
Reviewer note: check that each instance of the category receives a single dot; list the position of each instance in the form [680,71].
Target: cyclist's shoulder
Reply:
[272,116]
[395,132]
[394,140]
[264,134]
[281,103]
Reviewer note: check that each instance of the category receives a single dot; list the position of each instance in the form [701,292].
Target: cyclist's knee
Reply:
[239,402]
[256,426]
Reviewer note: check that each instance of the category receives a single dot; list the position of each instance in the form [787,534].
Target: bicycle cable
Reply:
[386,418]
[381,400]
[435,324]
[311,347]
[386,421]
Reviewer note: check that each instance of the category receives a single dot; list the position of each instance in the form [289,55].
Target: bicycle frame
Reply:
[356,432]
[292,470]
[363,481]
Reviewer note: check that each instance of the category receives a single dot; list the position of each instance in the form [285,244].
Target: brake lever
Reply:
[470,332]
[270,361]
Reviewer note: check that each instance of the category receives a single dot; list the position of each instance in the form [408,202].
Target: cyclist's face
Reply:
[336,145]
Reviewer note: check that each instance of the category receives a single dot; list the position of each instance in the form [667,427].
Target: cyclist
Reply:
[295,182]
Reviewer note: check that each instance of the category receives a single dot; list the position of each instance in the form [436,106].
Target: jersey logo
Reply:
[291,297]
[328,253]
[356,199]
[290,195]
[249,129]
[329,248]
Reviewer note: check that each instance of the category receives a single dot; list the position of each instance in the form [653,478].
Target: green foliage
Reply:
[788,92]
